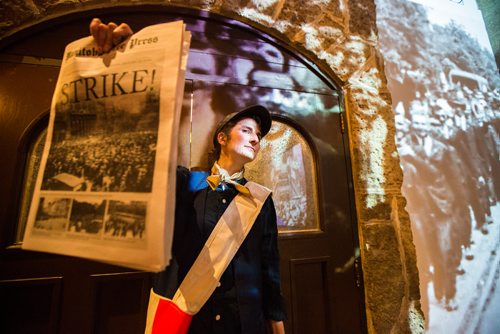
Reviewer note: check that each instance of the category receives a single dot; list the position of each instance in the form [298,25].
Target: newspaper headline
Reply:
[106,186]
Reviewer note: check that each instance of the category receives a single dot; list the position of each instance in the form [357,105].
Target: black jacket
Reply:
[250,289]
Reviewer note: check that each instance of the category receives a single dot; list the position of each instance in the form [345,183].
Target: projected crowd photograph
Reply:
[446,101]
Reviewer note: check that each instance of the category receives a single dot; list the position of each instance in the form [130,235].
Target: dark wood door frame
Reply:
[20,44]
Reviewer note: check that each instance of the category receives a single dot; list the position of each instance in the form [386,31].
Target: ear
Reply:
[221,138]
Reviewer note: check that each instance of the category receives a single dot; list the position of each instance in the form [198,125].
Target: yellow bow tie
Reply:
[220,175]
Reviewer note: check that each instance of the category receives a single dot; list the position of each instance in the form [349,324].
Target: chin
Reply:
[249,158]
[247,155]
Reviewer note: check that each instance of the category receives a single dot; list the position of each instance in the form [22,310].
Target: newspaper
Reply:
[106,186]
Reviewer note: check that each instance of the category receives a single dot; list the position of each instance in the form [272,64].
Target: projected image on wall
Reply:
[445,93]
[286,166]
[260,73]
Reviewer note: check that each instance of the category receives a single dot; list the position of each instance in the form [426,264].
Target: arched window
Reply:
[34,145]
[286,165]
[304,160]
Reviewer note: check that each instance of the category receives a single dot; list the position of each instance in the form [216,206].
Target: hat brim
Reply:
[253,111]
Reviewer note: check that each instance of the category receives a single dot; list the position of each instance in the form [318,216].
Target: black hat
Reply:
[258,111]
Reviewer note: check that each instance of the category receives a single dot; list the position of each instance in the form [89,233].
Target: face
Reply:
[420,125]
[243,142]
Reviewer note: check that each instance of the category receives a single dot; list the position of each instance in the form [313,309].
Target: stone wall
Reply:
[341,36]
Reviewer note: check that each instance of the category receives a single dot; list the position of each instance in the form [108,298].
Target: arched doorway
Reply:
[230,66]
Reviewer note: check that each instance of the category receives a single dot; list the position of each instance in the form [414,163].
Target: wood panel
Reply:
[310,295]
[40,298]
[120,302]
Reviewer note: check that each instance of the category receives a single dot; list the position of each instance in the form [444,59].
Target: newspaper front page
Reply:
[106,187]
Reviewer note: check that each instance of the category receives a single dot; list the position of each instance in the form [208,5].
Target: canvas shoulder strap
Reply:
[220,248]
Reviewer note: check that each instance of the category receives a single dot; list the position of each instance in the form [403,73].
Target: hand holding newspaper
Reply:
[106,186]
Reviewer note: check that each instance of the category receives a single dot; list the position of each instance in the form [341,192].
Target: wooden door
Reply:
[319,251]
[229,67]
[46,293]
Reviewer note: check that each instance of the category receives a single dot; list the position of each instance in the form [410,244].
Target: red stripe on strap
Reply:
[170,319]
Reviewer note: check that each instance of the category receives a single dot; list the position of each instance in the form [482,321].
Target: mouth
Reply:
[252,148]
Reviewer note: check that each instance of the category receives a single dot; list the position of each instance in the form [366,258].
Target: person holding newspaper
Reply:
[224,276]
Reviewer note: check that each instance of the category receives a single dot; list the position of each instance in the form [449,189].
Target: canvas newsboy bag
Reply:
[173,316]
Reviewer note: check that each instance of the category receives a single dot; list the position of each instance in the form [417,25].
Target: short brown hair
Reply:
[214,154]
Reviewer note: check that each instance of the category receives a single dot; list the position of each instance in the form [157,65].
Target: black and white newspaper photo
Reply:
[106,186]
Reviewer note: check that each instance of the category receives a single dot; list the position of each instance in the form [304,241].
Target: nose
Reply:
[254,139]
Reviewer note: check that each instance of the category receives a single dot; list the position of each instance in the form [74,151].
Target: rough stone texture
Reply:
[297,13]
[384,270]
[378,212]
[341,36]
[347,57]
[202,4]
[362,19]
[409,249]
[43,5]
[257,11]
[264,7]
[337,10]
[323,35]
[416,319]
[14,13]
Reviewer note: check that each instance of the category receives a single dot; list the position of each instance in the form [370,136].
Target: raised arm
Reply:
[109,35]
